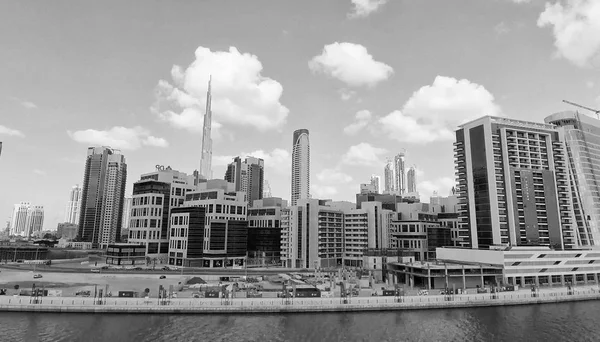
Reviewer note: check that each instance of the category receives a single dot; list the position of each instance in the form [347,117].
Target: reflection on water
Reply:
[548,322]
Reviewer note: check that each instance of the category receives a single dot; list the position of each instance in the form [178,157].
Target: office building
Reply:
[264,232]
[18,222]
[300,166]
[400,173]
[388,201]
[389,177]
[73,205]
[102,197]
[376,183]
[35,220]
[66,231]
[411,179]
[366,189]
[513,185]
[582,138]
[248,176]
[154,196]
[206,157]
[225,232]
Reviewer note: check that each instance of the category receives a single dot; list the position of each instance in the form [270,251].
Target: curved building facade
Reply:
[582,138]
[300,166]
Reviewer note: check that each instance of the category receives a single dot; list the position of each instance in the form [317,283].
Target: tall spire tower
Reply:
[206,159]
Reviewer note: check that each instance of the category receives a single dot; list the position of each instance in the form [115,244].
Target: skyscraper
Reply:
[400,173]
[73,205]
[582,137]
[376,182]
[18,222]
[411,179]
[389,176]
[248,176]
[35,220]
[128,201]
[103,195]
[267,189]
[206,158]
[300,166]
[513,186]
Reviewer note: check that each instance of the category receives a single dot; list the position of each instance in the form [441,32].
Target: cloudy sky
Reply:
[368,78]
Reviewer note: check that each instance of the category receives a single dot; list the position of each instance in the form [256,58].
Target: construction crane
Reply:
[596,111]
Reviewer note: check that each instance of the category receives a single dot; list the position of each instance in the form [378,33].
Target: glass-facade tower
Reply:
[582,138]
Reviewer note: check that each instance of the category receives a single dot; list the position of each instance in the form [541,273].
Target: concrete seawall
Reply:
[298,305]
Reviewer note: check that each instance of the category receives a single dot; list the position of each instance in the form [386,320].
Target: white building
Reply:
[411,179]
[73,205]
[300,166]
[26,219]
[126,212]
[389,177]
[400,173]
[376,183]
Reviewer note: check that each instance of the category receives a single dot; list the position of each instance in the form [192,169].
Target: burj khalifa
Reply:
[206,159]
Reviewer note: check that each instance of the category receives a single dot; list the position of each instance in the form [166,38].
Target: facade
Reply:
[67,231]
[411,179]
[35,219]
[65,243]
[368,189]
[530,265]
[400,173]
[248,176]
[388,201]
[225,226]
[73,205]
[300,166]
[267,190]
[206,157]
[126,213]
[513,185]
[264,232]
[102,201]
[376,183]
[389,177]
[124,254]
[154,196]
[582,139]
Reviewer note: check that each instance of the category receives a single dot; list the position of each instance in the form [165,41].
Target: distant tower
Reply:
[411,179]
[376,182]
[400,172]
[102,197]
[73,205]
[248,176]
[206,158]
[18,222]
[300,166]
[389,176]
[267,189]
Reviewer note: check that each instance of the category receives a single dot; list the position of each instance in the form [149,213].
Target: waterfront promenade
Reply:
[280,305]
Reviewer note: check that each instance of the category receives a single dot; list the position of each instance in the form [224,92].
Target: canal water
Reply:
[548,322]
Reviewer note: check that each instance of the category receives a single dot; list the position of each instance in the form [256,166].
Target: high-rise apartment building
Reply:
[376,182]
[206,158]
[389,177]
[267,189]
[400,173]
[248,176]
[73,205]
[102,201]
[411,180]
[128,202]
[513,184]
[26,219]
[154,197]
[582,138]
[300,166]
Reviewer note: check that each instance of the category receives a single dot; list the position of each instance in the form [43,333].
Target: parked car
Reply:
[96,270]
[166,268]
[104,267]
[138,269]
[37,276]
[162,277]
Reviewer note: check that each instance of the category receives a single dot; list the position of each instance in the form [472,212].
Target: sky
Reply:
[367,78]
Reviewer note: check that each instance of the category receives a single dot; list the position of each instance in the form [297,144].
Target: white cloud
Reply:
[278,160]
[351,64]
[363,8]
[362,119]
[442,185]
[346,94]
[11,132]
[322,191]
[434,112]
[576,28]
[241,96]
[118,137]
[333,176]
[589,84]
[39,172]
[501,28]
[29,105]
[363,154]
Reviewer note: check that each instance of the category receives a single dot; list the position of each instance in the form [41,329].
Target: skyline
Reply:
[86,83]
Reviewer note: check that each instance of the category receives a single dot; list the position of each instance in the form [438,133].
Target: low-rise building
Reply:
[264,232]
[124,254]
[69,244]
